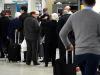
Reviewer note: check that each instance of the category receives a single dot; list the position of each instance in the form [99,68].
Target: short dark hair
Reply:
[33,12]
[24,8]
[89,2]
[45,9]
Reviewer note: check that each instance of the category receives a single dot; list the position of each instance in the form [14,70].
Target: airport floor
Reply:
[7,68]
[21,68]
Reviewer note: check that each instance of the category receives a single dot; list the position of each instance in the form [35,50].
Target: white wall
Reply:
[97,6]
[1,5]
[8,1]
[31,5]
[43,4]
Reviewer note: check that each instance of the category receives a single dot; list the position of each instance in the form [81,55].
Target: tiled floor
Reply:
[7,68]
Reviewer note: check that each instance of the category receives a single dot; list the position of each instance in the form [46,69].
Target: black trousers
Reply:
[62,51]
[32,52]
[49,53]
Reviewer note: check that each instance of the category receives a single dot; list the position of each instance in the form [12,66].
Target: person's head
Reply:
[34,14]
[90,3]
[67,10]
[54,16]
[23,9]
[45,10]
[7,13]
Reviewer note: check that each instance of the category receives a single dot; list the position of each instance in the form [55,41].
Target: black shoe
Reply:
[24,61]
[27,63]
[53,63]
[46,65]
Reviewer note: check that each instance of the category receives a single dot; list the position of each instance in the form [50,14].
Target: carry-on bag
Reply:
[14,51]
[64,68]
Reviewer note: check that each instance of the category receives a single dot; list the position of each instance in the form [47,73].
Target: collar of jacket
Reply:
[34,17]
[88,8]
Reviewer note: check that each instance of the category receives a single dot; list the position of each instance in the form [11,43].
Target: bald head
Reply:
[67,8]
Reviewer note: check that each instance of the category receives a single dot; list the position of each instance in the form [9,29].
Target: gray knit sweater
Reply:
[86,26]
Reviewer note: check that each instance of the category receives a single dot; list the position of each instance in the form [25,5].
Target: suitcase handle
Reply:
[16,31]
[71,58]
[16,36]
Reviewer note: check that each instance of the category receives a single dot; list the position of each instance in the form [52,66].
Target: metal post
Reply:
[79,3]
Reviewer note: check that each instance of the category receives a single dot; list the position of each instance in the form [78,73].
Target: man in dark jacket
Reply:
[31,29]
[22,17]
[44,19]
[61,22]
[4,24]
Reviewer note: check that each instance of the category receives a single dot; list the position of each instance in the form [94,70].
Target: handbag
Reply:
[23,46]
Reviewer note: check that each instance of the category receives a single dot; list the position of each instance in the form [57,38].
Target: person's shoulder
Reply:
[67,15]
[28,18]
[24,15]
[98,14]
[77,12]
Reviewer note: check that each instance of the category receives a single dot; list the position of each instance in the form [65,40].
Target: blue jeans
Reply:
[88,63]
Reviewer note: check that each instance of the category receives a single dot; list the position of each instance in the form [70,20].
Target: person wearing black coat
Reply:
[13,25]
[4,24]
[50,34]
[44,20]
[61,22]
[22,17]
[31,33]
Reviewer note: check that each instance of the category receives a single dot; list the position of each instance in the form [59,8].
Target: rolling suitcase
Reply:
[63,68]
[14,53]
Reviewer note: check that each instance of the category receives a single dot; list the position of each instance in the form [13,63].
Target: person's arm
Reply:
[64,33]
[36,26]
[98,31]
[98,28]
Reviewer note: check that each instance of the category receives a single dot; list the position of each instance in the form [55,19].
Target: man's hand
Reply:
[70,47]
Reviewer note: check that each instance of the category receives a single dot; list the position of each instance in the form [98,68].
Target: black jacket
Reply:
[50,31]
[4,24]
[22,18]
[61,22]
[21,28]
[31,28]
[13,25]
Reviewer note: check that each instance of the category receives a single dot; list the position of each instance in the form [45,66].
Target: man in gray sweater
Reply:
[86,26]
